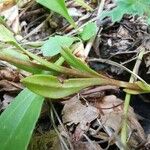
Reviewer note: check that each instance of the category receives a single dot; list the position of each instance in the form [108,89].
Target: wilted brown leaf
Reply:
[12,17]
[6,4]
[9,86]
[86,146]
[9,75]
[81,118]
[74,112]
[74,108]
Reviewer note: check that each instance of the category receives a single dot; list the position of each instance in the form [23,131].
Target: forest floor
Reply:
[92,118]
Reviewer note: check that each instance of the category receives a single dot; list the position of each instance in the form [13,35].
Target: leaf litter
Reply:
[93,121]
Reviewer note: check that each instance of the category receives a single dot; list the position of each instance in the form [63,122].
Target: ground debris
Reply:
[100,120]
[10,80]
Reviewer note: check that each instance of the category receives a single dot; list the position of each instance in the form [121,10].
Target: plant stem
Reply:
[53,66]
[128,97]
[24,64]
[83,4]
[110,62]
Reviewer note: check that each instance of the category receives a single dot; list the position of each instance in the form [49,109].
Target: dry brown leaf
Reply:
[86,146]
[123,32]
[82,118]
[74,112]
[12,17]
[112,117]
[6,4]
[79,50]
[9,75]
[10,86]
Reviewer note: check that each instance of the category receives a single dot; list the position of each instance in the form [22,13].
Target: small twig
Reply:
[35,30]
[110,62]
[55,128]
[134,58]
[67,134]
[91,143]
[91,41]
[100,9]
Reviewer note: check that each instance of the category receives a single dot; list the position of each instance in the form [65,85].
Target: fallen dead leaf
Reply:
[112,117]
[11,15]
[6,4]
[86,146]
[74,112]
[81,118]
[74,108]
[9,86]
[9,75]
[79,50]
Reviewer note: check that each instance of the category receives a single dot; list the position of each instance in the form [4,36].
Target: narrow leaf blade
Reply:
[59,7]
[77,63]
[6,35]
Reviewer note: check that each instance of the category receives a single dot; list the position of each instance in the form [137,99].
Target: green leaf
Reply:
[14,53]
[77,63]
[6,35]
[53,87]
[89,31]
[17,122]
[144,88]
[22,64]
[59,7]
[53,46]
[132,7]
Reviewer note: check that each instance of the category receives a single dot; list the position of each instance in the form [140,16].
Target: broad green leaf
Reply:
[88,31]
[6,35]
[53,87]
[53,46]
[17,122]
[59,7]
